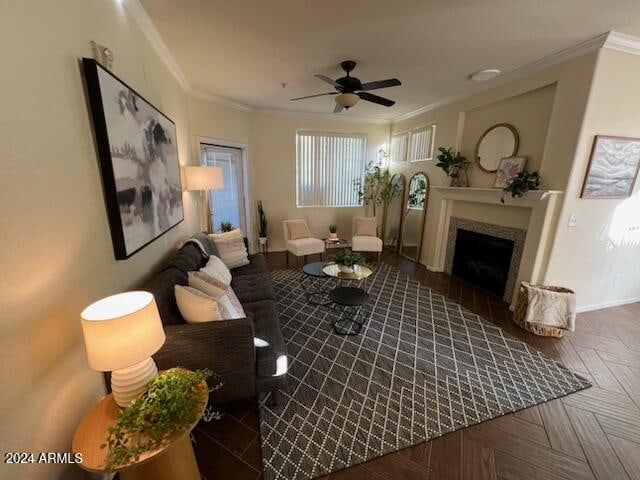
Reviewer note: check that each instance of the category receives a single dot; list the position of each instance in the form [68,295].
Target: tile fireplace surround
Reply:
[516,234]
[544,206]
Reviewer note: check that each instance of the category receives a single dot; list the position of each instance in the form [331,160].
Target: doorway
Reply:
[227,204]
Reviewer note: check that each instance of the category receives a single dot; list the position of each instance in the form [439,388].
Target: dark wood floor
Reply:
[593,434]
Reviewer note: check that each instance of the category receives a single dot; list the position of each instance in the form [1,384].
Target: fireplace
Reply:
[483,260]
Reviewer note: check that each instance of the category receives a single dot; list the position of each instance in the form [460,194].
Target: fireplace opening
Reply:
[483,260]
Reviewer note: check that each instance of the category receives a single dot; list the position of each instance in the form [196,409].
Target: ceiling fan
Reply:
[351,90]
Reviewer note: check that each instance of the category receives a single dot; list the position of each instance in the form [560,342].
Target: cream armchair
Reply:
[298,241]
[365,239]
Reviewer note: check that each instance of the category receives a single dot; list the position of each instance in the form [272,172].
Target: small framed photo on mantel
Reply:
[508,168]
[613,167]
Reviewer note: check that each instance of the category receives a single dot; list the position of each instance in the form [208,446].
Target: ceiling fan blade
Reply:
[338,108]
[390,82]
[316,95]
[330,81]
[370,97]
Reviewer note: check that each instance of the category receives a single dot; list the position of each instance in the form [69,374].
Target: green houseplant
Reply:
[348,259]
[454,165]
[333,231]
[262,224]
[521,184]
[376,187]
[172,402]
[226,226]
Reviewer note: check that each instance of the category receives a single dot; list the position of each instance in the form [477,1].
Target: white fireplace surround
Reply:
[543,204]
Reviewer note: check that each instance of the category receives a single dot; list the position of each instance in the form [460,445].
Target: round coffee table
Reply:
[352,301]
[349,300]
[314,283]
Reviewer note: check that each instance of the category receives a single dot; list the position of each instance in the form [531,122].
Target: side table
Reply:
[172,460]
[334,245]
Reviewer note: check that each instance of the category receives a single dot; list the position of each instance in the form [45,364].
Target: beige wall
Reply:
[547,107]
[600,257]
[273,158]
[55,247]
[529,113]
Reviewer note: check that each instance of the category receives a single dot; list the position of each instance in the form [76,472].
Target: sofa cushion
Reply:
[271,354]
[188,258]
[257,264]
[231,247]
[162,287]
[253,288]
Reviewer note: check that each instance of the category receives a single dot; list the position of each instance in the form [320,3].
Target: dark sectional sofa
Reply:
[248,353]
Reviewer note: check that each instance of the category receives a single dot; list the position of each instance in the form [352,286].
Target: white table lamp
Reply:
[203,179]
[121,332]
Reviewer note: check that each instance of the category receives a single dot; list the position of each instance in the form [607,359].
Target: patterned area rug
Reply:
[421,367]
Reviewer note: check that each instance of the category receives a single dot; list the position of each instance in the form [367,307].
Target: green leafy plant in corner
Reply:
[262,221]
[454,165]
[226,226]
[348,258]
[333,228]
[376,188]
[170,404]
[521,184]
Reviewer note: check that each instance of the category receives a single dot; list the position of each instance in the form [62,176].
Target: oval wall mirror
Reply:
[496,142]
[415,211]
[393,215]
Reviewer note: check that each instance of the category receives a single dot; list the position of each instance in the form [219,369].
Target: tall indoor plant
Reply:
[262,224]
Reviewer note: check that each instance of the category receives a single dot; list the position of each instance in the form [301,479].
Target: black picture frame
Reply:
[122,248]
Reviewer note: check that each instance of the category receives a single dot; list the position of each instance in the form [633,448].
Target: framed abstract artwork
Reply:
[613,167]
[138,158]
[508,168]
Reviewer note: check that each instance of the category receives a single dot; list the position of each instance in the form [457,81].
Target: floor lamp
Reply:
[203,179]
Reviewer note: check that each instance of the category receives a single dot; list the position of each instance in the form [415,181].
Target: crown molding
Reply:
[622,42]
[612,40]
[332,116]
[144,21]
[220,100]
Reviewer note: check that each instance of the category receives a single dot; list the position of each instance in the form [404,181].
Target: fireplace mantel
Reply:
[543,205]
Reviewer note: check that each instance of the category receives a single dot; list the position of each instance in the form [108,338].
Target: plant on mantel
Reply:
[454,166]
[521,184]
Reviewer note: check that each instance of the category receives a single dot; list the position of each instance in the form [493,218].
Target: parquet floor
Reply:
[592,434]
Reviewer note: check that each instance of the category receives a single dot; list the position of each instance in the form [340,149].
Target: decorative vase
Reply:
[345,269]
[333,236]
[461,179]
[262,240]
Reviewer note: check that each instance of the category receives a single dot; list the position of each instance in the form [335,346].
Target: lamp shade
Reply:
[203,178]
[347,100]
[121,330]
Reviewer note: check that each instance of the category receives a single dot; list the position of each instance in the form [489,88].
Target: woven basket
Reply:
[520,313]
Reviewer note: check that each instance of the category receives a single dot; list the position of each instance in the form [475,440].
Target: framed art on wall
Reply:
[613,167]
[508,168]
[138,157]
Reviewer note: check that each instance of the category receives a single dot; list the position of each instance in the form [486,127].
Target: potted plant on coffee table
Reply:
[346,260]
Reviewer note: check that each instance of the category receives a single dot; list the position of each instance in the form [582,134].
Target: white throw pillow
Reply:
[208,284]
[231,248]
[195,306]
[216,268]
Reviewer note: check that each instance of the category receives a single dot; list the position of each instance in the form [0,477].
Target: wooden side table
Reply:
[335,246]
[172,460]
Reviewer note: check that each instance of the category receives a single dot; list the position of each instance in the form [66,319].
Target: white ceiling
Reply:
[243,50]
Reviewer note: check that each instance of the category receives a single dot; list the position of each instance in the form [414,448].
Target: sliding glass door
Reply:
[227,204]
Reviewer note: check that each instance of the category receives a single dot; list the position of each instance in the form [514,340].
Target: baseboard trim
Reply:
[610,304]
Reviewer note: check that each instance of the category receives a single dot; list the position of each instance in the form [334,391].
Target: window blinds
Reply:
[399,147]
[421,144]
[327,164]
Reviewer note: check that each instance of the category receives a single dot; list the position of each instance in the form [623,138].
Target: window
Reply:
[399,147]
[421,144]
[327,164]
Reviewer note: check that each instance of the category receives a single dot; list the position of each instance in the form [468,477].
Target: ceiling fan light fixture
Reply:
[485,75]
[347,100]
